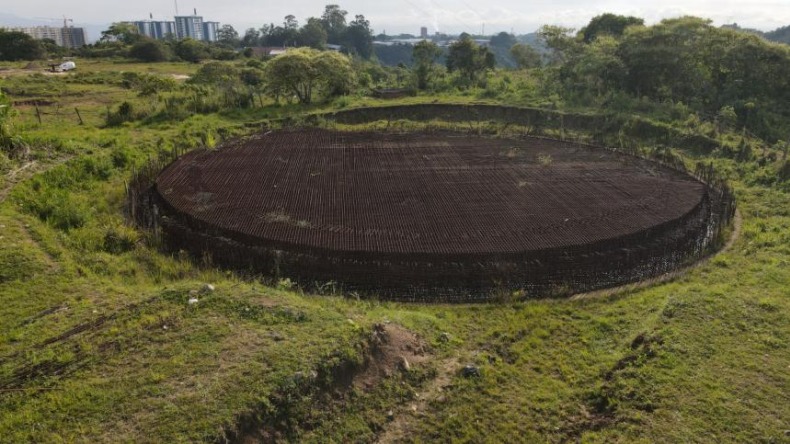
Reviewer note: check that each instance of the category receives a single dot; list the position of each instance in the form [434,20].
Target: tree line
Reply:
[682,60]
[332,27]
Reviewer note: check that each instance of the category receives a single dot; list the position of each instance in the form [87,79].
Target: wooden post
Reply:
[78,115]
[38,115]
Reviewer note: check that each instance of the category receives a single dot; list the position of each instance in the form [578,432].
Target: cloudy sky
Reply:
[396,16]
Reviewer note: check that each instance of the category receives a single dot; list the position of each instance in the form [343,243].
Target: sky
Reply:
[407,16]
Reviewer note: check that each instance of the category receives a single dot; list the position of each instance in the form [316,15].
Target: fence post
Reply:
[38,114]
[78,115]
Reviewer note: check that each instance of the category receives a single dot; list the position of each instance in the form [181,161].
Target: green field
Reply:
[99,342]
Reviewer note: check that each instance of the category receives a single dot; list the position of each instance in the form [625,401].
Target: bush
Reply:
[119,239]
[215,72]
[192,50]
[124,113]
[149,50]
[19,46]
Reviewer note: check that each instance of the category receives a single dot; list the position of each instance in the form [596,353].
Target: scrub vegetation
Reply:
[106,338]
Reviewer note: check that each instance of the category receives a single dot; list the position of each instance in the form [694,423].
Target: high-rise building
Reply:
[424,32]
[67,36]
[210,31]
[189,26]
[184,26]
[156,29]
[73,37]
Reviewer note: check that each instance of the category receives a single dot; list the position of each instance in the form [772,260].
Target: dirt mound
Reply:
[33,65]
[392,349]
[316,397]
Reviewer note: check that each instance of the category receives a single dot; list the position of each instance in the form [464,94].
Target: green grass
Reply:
[98,342]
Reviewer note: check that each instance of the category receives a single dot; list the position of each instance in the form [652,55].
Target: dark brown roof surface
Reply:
[370,192]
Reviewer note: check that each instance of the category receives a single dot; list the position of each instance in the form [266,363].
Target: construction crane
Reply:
[65,20]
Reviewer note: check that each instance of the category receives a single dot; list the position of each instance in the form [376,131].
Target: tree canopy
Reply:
[681,60]
[469,59]
[191,50]
[149,50]
[608,24]
[125,33]
[304,72]
[525,55]
[331,28]
[227,36]
[424,55]
[19,46]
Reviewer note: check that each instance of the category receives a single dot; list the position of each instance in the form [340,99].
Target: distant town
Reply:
[181,27]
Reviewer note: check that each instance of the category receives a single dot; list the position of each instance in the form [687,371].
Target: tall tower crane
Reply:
[65,20]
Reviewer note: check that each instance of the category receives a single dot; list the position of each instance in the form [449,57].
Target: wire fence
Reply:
[468,276]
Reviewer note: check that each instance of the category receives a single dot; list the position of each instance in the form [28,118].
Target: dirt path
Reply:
[401,426]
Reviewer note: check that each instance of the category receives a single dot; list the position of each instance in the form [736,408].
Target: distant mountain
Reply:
[11,20]
[781,35]
[530,39]
[734,26]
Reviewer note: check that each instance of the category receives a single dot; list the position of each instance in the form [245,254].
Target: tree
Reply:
[668,61]
[424,57]
[360,37]
[125,33]
[290,22]
[19,46]
[502,40]
[149,50]
[559,40]
[213,73]
[51,48]
[191,50]
[304,71]
[290,31]
[251,38]
[598,68]
[227,36]
[334,22]
[469,59]
[608,24]
[525,56]
[313,34]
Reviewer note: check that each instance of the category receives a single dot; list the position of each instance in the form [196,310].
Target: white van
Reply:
[67,66]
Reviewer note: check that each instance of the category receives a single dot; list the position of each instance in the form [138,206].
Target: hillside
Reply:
[107,336]
[781,35]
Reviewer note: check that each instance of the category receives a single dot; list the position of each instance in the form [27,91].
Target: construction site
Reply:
[434,217]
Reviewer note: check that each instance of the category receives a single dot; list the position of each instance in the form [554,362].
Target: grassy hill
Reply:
[103,338]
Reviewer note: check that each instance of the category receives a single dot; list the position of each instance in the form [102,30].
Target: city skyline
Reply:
[407,16]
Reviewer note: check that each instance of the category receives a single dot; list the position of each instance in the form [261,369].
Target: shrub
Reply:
[191,50]
[149,50]
[124,113]
[119,239]
[19,46]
